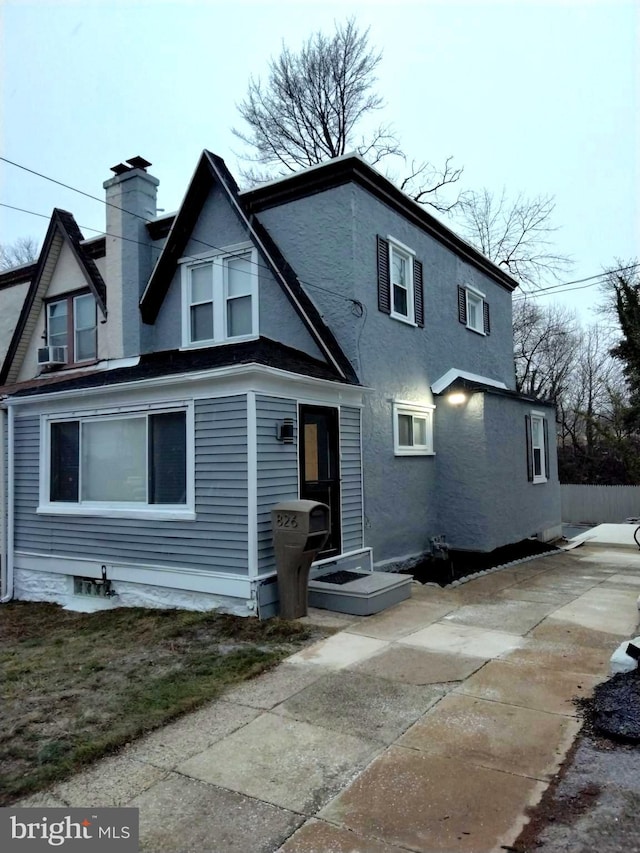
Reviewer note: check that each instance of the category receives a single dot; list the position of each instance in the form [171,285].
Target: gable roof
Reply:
[211,170]
[351,168]
[62,230]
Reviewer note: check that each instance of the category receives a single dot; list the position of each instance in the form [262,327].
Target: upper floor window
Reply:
[400,292]
[412,429]
[473,310]
[220,298]
[72,323]
[537,437]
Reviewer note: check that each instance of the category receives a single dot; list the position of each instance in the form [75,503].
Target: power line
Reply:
[239,253]
[561,287]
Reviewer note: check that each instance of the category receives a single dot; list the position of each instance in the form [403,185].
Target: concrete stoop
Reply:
[366,594]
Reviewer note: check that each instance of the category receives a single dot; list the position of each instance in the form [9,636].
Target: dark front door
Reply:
[320,465]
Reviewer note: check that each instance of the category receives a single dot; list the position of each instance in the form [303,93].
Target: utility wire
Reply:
[561,287]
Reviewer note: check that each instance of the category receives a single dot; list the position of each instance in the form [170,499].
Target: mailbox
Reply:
[300,529]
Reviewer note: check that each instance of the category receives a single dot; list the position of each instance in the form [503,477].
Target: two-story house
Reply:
[321,336]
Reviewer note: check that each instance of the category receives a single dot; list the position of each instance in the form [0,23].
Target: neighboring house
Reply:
[155,375]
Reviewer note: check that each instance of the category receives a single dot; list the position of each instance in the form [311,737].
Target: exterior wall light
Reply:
[284,431]
[457,398]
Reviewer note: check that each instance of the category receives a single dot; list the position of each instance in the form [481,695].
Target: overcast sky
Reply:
[531,96]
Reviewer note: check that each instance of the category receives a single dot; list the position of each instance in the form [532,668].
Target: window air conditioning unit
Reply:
[52,355]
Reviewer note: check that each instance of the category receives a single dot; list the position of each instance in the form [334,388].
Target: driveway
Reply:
[430,727]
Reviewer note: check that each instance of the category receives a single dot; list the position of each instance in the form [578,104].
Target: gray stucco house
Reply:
[321,336]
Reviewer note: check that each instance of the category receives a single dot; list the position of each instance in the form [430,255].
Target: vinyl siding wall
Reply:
[351,475]
[217,540]
[277,470]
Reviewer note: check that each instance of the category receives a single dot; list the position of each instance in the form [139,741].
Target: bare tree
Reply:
[311,106]
[515,234]
[546,345]
[23,251]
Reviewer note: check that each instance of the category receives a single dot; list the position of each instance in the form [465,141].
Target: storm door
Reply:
[320,465]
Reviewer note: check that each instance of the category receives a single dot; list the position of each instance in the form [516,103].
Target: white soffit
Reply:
[451,375]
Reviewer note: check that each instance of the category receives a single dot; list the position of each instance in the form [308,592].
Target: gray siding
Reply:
[217,540]
[218,226]
[277,470]
[351,478]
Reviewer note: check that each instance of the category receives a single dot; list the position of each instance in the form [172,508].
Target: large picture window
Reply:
[220,299]
[133,461]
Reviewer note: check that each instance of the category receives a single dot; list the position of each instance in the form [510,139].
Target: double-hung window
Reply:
[220,298]
[118,463]
[400,291]
[473,310]
[412,429]
[537,438]
[72,323]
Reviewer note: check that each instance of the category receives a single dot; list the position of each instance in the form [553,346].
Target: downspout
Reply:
[6,507]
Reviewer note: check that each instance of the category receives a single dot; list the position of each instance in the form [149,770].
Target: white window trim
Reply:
[105,509]
[538,478]
[219,295]
[479,296]
[401,249]
[424,411]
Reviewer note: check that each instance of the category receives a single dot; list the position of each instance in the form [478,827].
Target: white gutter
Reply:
[6,527]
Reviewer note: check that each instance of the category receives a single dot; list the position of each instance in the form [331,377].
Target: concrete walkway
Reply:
[430,727]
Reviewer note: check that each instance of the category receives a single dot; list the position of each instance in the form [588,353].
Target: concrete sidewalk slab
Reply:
[428,803]
[606,609]
[174,743]
[490,734]
[620,535]
[510,616]
[625,580]
[553,630]
[272,687]
[357,704]
[411,665]
[464,639]
[403,619]
[338,651]
[563,658]
[317,836]
[111,782]
[529,686]
[184,816]
[285,762]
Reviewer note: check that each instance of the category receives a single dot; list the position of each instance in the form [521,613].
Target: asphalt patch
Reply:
[615,707]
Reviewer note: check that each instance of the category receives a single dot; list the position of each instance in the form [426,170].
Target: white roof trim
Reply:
[451,375]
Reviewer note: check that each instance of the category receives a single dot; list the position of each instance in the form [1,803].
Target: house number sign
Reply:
[285,519]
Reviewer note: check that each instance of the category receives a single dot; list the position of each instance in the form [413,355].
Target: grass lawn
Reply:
[75,686]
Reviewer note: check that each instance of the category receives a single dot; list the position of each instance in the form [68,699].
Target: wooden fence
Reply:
[599,504]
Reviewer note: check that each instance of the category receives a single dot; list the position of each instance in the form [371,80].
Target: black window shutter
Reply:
[545,425]
[527,429]
[486,319]
[384,281]
[462,305]
[418,295]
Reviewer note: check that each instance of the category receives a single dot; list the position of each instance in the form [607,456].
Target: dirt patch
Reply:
[615,707]
[75,686]
[461,564]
